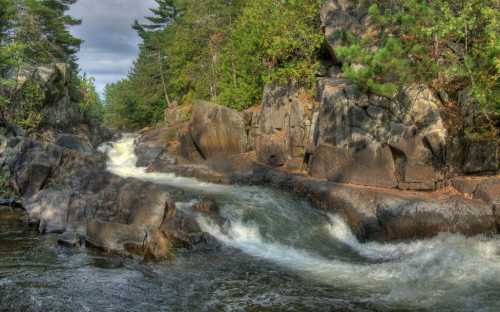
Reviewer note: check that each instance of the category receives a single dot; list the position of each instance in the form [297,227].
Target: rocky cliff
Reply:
[356,142]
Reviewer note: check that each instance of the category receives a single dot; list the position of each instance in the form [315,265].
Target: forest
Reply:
[226,51]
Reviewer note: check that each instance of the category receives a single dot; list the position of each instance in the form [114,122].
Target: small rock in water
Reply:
[206,206]
[70,240]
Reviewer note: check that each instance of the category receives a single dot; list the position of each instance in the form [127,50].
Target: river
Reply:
[277,254]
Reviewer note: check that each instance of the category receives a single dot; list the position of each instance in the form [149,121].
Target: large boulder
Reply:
[378,141]
[387,215]
[187,148]
[217,130]
[116,237]
[31,166]
[49,208]
[489,190]
[372,165]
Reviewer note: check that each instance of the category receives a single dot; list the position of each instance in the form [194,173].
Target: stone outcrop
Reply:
[53,82]
[31,164]
[379,214]
[376,141]
[284,125]
[76,143]
[217,130]
[65,190]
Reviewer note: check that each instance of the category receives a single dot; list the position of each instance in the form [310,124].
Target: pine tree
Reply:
[163,15]
[43,26]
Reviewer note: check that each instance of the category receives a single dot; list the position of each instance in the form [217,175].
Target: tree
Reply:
[90,103]
[270,41]
[34,33]
[43,26]
[451,45]
[164,14]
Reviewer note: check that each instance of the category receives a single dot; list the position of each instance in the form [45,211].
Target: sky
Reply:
[111,45]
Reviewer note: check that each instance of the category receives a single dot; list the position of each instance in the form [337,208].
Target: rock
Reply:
[217,130]
[76,143]
[115,237]
[376,141]
[466,185]
[147,154]
[187,148]
[372,165]
[481,156]
[157,246]
[342,16]
[271,150]
[146,208]
[429,218]
[208,206]
[162,162]
[49,208]
[489,190]
[284,124]
[70,239]
[184,230]
[151,144]
[31,166]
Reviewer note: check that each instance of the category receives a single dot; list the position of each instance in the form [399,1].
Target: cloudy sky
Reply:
[110,44]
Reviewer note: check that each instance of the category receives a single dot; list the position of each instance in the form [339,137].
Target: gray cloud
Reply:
[110,45]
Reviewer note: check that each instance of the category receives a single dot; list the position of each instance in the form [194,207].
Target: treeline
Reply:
[35,34]
[219,50]
[227,50]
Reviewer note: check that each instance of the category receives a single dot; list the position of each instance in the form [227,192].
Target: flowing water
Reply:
[278,254]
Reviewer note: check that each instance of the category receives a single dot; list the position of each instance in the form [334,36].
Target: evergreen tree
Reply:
[451,45]
[151,49]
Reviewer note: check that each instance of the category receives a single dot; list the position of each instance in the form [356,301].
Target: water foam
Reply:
[421,273]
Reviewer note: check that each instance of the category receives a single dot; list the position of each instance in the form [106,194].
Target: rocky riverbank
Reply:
[64,188]
[399,167]
[374,213]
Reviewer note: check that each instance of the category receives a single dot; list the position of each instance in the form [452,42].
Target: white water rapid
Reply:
[446,273]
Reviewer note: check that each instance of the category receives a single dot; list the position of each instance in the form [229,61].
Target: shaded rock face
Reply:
[376,141]
[77,143]
[31,165]
[53,80]
[187,148]
[217,130]
[284,125]
[481,156]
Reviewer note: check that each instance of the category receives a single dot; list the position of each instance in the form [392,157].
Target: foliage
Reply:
[451,45]
[121,109]
[90,103]
[33,34]
[271,40]
[218,50]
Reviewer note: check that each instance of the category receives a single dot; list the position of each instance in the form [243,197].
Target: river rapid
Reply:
[277,254]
